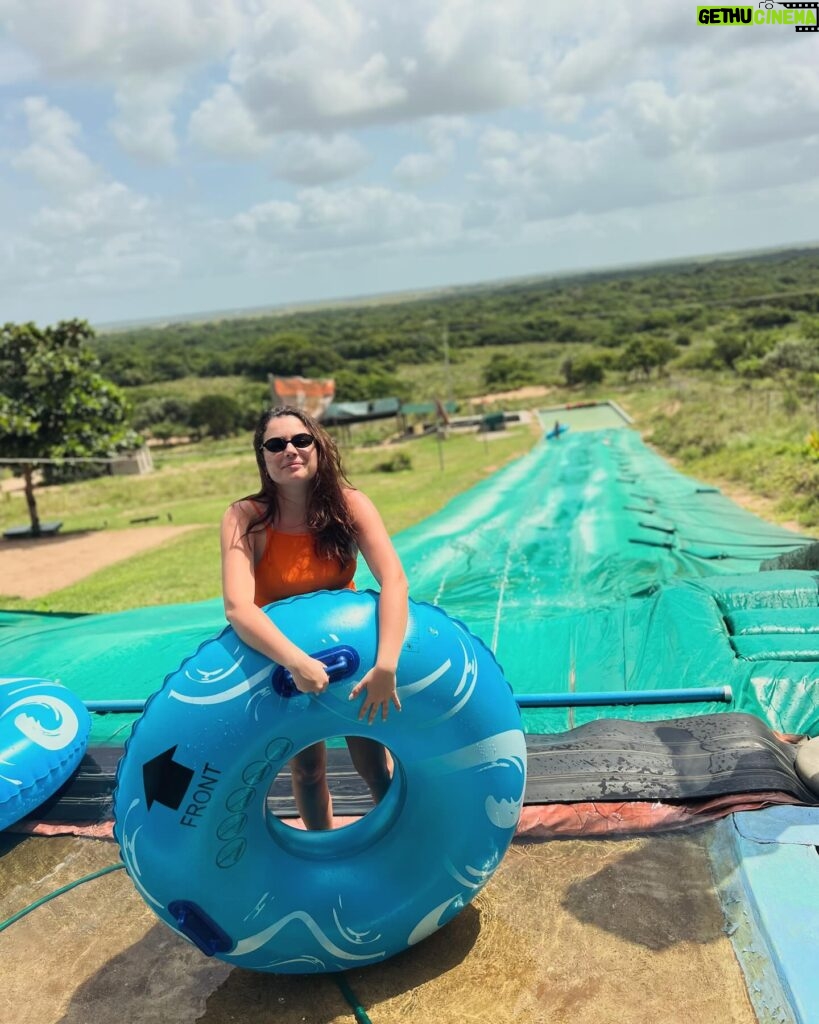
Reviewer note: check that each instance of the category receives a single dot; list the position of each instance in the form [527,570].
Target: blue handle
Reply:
[200,928]
[340,662]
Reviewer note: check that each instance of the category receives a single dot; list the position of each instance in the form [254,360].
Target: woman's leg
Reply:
[373,763]
[308,771]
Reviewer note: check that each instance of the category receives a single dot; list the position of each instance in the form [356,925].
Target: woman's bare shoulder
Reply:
[356,500]
[243,511]
[361,507]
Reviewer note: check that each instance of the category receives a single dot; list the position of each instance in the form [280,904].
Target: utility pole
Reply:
[448,375]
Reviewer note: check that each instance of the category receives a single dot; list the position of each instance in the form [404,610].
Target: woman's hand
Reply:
[380,686]
[309,675]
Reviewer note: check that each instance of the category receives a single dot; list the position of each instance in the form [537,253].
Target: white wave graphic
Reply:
[470,673]
[503,813]
[509,745]
[216,675]
[129,856]
[314,961]
[56,737]
[357,938]
[431,922]
[254,942]
[469,663]
[220,698]
[408,689]
[480,876]
[260,905]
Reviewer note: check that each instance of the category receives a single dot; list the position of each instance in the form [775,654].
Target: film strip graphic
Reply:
[802,7]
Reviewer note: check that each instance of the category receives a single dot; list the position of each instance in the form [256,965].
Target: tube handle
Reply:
[340,663]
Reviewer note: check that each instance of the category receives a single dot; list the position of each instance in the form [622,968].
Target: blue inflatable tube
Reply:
[44,731]
[210,859]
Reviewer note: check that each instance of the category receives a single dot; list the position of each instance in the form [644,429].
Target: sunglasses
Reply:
[276,445]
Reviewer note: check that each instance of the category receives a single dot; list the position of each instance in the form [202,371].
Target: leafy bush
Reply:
[767,317]
[793,354]
[397,463]
[508,371]
[582,370]
[157,410]
[219,415]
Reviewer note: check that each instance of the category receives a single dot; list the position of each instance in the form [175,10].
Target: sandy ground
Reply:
[33,568]
[530,391]
[571,932]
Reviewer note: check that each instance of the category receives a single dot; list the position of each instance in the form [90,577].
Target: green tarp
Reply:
[588,565]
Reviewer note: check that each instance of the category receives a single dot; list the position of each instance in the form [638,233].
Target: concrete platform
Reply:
[582,931]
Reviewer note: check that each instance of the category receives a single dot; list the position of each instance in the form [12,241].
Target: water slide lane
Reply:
[586,565]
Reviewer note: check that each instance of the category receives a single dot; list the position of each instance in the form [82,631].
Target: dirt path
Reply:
[30,569]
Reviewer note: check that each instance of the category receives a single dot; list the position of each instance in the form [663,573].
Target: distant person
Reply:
[301,532]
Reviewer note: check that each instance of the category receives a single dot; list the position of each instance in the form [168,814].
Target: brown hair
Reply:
[328,515]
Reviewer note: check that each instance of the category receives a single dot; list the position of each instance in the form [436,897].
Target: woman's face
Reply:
[293,464]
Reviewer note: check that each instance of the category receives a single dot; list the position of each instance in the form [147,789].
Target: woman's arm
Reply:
[249,621]
[393,609]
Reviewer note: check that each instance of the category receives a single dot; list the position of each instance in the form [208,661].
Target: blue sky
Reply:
[163,157]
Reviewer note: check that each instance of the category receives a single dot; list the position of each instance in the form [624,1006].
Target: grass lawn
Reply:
[196,489]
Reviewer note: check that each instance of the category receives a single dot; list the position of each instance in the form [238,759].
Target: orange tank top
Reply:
[290,566]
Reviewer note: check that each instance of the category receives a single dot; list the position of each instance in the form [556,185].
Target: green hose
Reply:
[341,981]
[58,892]
[352,999]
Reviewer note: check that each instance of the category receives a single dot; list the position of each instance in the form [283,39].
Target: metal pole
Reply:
[448,375]
[600,698]
[604,698]
[121,707]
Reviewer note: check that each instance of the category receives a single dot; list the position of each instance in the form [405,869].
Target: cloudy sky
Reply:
[163,157]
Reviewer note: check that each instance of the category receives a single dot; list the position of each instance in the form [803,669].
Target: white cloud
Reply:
[15,65]
[53,157]
[442,134]
[535,123]
[144,125]
[415,169]
[316,160]
[103,40]
[223,125]
[637,159]
[94,213]
[351,218]
[332,64]
[663,124]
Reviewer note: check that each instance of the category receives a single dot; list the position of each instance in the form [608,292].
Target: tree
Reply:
[583,369]
[220,415]
[507,371]
[645,353]
[53,402]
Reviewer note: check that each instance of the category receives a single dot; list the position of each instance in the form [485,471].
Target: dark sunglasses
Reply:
[275,445]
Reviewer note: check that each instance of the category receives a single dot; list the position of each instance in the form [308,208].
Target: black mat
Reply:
[680,759]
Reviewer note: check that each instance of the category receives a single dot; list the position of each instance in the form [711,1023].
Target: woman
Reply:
[298,534]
